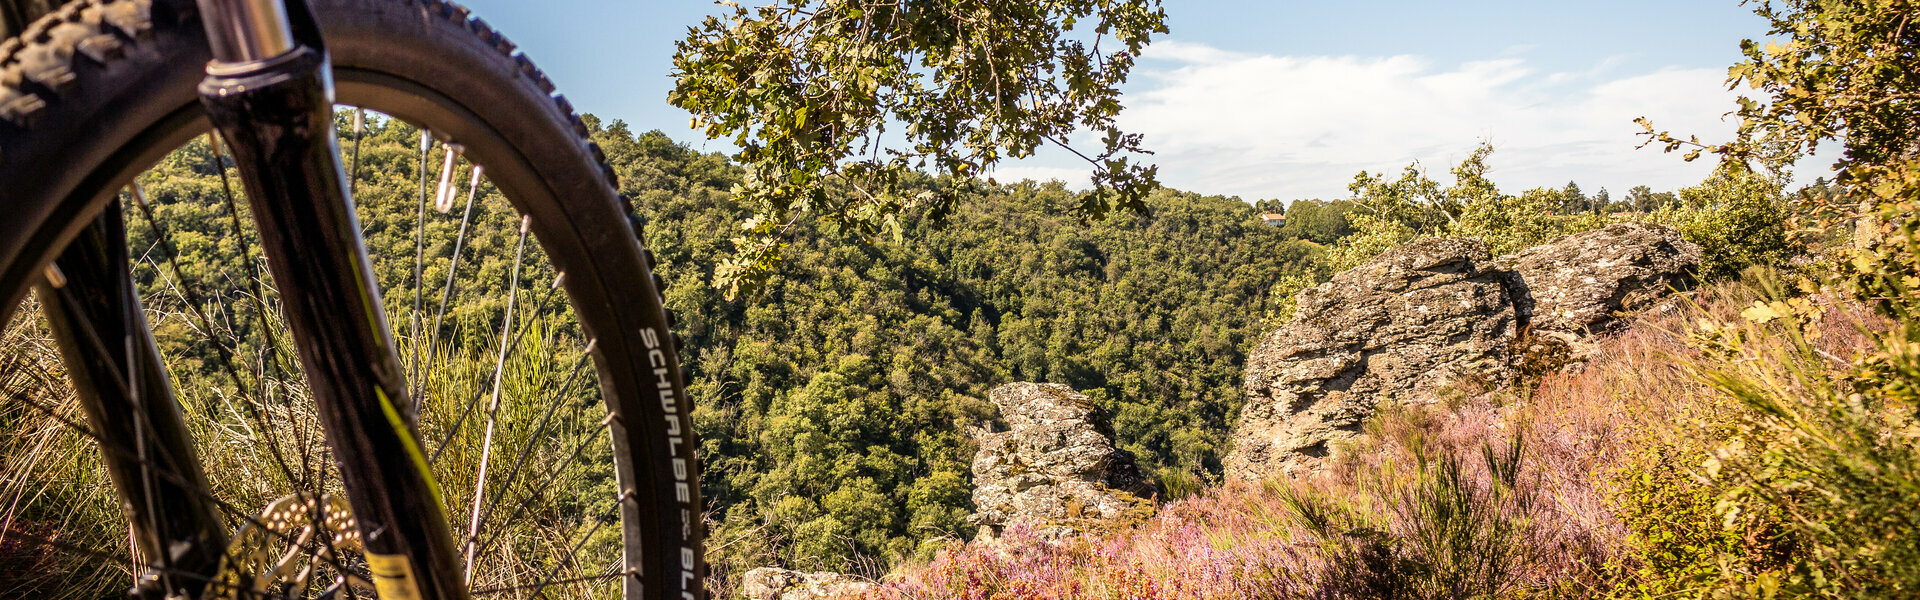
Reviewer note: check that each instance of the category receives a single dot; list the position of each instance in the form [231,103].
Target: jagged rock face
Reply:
[1428,313]
[772,583]
[1574,286]
[1055,467]
[1414,319]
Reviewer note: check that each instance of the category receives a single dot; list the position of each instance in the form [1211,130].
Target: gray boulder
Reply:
[772,583]
[1573,287]
[1433,312]
[1393,330]
[1055,466]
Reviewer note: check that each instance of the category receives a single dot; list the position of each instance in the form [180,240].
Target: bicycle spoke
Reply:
[573,553]
[194,305]
[419,260]
[526,450]
[453,267]
[247,408]
[359,131]
[611,571]
[473,401]
[546,482]
[258,299]
[443,193]
[189,294]
[499,371]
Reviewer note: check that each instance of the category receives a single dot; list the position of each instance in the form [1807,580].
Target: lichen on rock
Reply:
[1055,466]
[1574,287]
[1431,313]
[1412,320]
[774,583]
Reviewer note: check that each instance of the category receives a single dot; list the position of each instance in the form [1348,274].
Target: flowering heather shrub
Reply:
[1586,486]
[1177,556]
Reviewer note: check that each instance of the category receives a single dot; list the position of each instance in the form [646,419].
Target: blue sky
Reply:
[1290,99]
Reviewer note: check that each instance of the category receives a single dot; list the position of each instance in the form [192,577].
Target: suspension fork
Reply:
[94,313]
[269,92]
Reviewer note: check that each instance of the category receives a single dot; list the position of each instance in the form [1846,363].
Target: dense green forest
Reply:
[835,403]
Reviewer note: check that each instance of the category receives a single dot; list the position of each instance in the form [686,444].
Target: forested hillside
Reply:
[835,403]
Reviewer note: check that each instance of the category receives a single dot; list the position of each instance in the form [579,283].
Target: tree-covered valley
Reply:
[836,401]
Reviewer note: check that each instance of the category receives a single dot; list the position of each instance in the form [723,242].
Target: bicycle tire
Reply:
[97,91]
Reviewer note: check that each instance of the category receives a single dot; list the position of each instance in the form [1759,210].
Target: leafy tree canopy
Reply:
[1738,216]
[1840,71]
[1643,199]
[1847,72]
[808,89]
[1319,221]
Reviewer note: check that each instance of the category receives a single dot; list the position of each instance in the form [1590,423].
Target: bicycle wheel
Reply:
[101,91]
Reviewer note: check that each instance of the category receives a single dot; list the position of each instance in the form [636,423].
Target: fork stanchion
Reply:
[278,120]
[93,309]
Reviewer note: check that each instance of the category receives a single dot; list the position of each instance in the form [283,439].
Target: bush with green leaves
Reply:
[1830,441]
[1831,446]
[1739,218]
[1393,212]
[1319,221]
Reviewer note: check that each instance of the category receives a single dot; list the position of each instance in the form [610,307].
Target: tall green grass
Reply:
[52,484]
[248,424]
[55,487]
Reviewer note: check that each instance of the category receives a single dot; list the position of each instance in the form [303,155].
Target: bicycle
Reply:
[98,91]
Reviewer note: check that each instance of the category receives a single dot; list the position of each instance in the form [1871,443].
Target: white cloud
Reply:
[1263,126]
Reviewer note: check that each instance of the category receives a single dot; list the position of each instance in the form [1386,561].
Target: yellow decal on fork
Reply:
[401,429]
[393,576]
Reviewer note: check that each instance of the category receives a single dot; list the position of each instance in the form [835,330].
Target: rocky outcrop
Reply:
[772,583]
[1414,319]
[1427,314]
[1575,286]
[1055,466]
